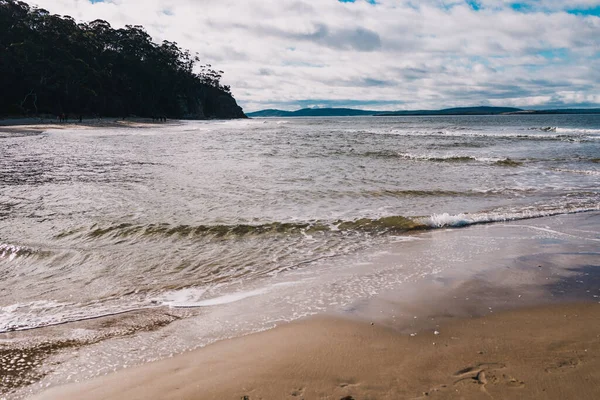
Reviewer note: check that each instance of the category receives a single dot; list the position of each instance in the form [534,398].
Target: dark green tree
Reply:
[51,64]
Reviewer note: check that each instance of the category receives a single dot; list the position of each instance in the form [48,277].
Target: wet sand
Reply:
[38,125]
[552,352]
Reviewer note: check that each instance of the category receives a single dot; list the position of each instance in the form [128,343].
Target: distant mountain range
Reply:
[351,112]
[313,112]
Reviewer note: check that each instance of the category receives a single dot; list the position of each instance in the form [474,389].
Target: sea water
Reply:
[233,226]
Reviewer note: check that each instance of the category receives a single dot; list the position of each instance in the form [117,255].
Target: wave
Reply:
[121,231]
[11,251]
[544,129]
[380,154]
[374,226]
[501,161]
[551,134]
[484,192]
[508,162]
[578,131]
[417,193]
[401,193]
[47,313]
[446,158]
[458,158]
[433,158]
[578,171]
[462,220]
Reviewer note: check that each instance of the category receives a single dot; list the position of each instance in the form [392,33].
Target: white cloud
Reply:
[403,54]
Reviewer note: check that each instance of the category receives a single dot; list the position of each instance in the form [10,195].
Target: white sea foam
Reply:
[450,157]
[578,171]
[35,313]
[11,251]
[20,317]
[580,131]
[537,133]
[460,220]
[192,297]
[445,219]
[225,299]
[558,134]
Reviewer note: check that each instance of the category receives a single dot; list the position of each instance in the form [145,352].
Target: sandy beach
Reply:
[37,125]
[537,353]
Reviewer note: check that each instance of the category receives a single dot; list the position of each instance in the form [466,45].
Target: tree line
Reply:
[50,64]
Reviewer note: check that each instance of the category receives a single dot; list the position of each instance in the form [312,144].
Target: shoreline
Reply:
[549,352]
[38,125]
[510,277]
[96,122]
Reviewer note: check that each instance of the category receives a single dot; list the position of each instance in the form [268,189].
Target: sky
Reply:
[379,54]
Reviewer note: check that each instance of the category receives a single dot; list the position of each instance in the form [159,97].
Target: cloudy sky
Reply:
[379,54]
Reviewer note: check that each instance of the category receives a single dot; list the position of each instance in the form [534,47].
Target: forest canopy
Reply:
[51,64]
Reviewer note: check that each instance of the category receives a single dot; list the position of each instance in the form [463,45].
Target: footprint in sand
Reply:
[479,375]
[348,384]
[514,383]
[473,371]
[432,391]
[486,374]
[563,365]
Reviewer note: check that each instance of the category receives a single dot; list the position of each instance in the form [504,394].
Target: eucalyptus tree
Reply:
[51,64]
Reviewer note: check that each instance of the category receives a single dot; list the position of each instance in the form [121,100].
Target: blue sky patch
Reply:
[593,11]
[554,54]
[475,5]
[354,1]
[521,7]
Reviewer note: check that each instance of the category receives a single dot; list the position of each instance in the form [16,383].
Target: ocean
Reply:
[165,238]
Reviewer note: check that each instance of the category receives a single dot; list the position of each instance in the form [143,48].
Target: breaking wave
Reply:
[11,251]
[461,220]
[123,231]
[540,133]
[461,158]
[544,129]
[384,225]
[578,171]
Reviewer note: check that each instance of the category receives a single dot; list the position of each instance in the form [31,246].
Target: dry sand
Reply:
[551,352]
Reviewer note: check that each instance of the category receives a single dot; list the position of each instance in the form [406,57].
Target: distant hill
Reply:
[564,111]
[269,113]
[457,111]
[313,112]
[347,112]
